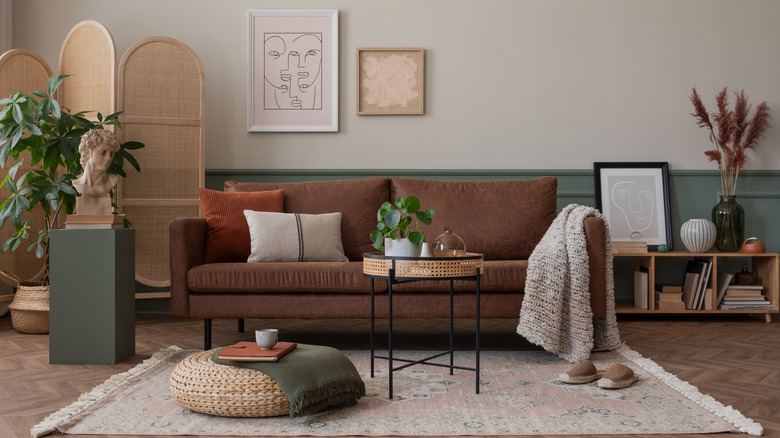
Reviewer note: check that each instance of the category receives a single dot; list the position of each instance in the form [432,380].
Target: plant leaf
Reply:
[133,145]
[131,159]
[54,82]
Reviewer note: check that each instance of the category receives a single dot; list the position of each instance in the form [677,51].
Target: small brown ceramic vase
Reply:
[753,245]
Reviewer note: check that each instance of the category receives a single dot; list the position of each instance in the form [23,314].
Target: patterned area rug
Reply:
[519,395]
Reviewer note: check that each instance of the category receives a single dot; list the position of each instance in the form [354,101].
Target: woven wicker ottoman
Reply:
[210,388]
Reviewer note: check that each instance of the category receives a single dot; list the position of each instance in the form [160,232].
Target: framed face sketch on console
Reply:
[634,197]
[292,70]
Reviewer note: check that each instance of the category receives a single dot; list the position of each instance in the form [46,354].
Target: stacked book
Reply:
[668,297]
[251,352]
[745,296]
[629,248]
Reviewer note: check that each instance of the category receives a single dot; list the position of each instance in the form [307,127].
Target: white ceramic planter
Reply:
[698,235]
[401,248]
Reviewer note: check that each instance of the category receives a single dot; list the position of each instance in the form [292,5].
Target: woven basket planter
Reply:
[30,309]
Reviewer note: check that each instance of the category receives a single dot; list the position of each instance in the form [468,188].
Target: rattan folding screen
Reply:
[21,70]
[161,91]
[88,55]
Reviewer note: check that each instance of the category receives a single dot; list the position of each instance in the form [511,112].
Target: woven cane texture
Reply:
[161,91]
[152,258]
[443,267]
[210,388]
[169,172]
[162,79]
[30,309]
[21,70]
[88,55]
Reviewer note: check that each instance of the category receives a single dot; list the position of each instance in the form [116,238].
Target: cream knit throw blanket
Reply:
[556,312]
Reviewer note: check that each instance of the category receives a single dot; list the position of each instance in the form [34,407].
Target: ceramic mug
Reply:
[267,338]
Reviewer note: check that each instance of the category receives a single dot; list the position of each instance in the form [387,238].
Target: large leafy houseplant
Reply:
[35,127]
[398,222]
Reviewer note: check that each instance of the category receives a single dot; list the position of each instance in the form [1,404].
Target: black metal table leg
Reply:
[452,328]
[371,338]
[477,330]
[391,278]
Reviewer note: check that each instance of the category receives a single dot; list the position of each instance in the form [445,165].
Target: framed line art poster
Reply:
[634,197]
[390,81]
[292,70]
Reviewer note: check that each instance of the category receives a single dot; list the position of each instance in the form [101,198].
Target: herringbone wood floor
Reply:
[735,359]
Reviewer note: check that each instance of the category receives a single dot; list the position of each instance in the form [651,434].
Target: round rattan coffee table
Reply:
[204,386]
[407,269]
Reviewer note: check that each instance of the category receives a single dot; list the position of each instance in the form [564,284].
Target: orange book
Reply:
[251,352]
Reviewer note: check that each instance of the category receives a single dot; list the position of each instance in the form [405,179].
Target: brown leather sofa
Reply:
[504,220]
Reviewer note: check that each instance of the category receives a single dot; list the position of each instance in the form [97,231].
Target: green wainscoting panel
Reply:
[692,194]
[92,297]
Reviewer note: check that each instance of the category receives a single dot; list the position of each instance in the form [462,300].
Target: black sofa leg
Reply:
[207,334]
[241,325]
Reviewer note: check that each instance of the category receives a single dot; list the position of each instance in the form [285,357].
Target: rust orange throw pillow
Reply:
[228,239]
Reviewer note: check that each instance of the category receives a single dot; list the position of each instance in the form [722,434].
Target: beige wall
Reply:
[511,84]
[6,25]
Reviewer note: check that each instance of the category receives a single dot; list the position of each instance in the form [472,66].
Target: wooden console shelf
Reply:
[765,268]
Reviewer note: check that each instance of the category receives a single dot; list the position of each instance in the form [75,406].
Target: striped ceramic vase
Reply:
[698,235]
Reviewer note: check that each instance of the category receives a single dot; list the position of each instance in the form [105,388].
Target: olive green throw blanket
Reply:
[313,378]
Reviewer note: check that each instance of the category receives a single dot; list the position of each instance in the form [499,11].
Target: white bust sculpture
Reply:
[97,149]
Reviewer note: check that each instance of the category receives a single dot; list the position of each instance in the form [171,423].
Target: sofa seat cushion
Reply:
[504,220]
[358,201]
[498,276]
[322,277]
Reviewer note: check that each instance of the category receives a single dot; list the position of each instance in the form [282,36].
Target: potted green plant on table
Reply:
[34,127]
[398,230]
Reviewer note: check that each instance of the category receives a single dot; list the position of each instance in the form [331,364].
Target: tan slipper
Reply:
[584,372]
[617,376]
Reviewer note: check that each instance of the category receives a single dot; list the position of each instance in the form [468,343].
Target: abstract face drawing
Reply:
[293,71]
[636,201]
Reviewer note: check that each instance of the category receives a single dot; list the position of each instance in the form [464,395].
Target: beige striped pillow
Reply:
[293,237]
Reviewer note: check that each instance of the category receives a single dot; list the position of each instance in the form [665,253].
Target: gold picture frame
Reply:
[390,81]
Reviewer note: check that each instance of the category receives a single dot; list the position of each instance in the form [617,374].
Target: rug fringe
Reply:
[728,413]
[55,420]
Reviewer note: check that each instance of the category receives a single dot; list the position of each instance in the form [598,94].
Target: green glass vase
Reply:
[729,219]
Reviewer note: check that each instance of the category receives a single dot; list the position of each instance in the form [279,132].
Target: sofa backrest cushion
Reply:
[504,220]
[358,201]
[227,235]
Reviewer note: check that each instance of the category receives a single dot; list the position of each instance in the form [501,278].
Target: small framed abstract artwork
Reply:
[390,81]
[634,197]
[292,70]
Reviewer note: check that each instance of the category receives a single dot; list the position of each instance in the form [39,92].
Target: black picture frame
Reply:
[627,194]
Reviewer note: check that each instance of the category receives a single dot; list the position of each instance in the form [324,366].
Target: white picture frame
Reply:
[292,70]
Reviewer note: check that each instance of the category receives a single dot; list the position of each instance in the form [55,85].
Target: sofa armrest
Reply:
[595,236]
[188,247]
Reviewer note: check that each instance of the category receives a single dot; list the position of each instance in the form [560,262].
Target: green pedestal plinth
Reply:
[92,296]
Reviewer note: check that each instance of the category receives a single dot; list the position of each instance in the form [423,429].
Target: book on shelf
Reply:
[669,305]
[689,289]
[693,298]
[668,297]
[724,278]
[251,352]
[754,299]
[704,281]
[641,286]
[629,248]
[744,289]
[668,287]
[707,299]
[94,221]
[746,305]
